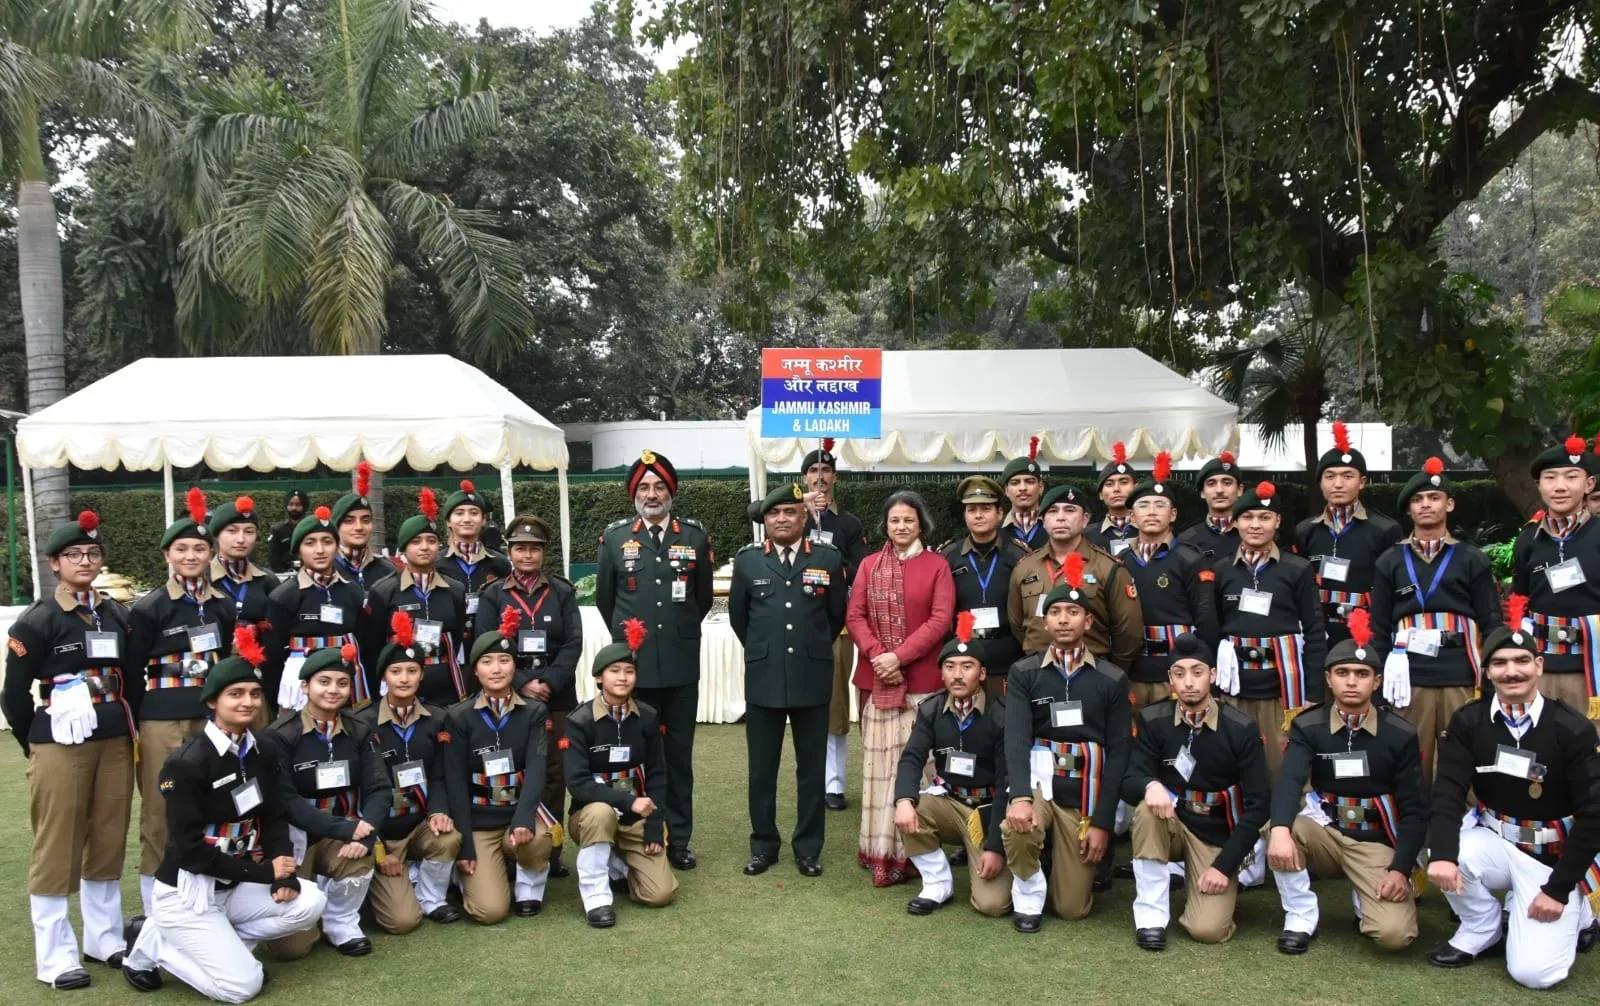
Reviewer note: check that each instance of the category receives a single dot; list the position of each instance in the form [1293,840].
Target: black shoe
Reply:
[527,909]
[559,869]
[619,885]
[926,906]
[1294,943]
[681,858]
[1175,882]
[1151,939]
[1102,877]
[958,858]
[1026,923]
[445,914]
[759,864]
[808,866]
[836,801]
[115,960]
[603,917]
[1123,871]
[144,981]
[78,978]
[1588,936]
[130,932]
[1447,956]
[358,947]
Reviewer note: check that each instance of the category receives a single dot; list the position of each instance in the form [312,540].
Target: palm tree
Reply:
[298,197]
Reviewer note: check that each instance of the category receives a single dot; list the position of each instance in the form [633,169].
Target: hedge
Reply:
[133,518]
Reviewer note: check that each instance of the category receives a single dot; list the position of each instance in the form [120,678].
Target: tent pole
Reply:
[508,501]
[566,522]
[33,537]
[11,518]
[166,488]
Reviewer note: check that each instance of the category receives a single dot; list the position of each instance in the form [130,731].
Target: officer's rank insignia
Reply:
[630,549]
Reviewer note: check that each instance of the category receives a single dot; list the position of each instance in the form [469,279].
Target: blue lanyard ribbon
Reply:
[1438,576]
[984,578]
[238,599]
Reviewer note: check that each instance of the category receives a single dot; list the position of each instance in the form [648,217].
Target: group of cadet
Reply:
[382,730]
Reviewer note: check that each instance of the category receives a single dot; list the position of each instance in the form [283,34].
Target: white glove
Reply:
[1228,667]
[290,695]
[196,890]
[1397,678]
[72,715]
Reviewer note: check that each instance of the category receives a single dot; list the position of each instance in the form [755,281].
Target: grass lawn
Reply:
[781,938]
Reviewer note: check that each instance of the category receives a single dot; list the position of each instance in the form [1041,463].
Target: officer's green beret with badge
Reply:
[1342,455]
[1071,590]
[528,529]
[238,511]
[624,651]
[979,489]
[426,521]
[402,647]
[1024,466]
[192,526]
[502,640]
[1574,453]
[244,667]
[821,456]
[791,493]
[319,520]
[466,494]
[1159,483]
[1357,648]
[350,502]
[330,658]
[1065,493]
[1432,477]
[1118,465]
[83,531]
[1222,464]
[962,644]
[1263,497]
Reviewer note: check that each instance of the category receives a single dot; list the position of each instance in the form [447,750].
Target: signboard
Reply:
[822,393]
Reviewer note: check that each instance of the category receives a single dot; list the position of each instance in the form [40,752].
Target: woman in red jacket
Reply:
[901,607]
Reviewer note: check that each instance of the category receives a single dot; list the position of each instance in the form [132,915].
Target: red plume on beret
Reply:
[1033,448]
[467,487]
[324,514]
[1433,466]
[1266,490]
[1516,610]
[1163,467]
[244,504]
[347,653]
[1073,569]
[1576,444]
[195,502]
[1119,453]
[827,445]
[88,520]
[248,647]
[405,631]
[1341,436]
[363,478]
[428,503]
[1226,457]
[1359,623]
[964,623]
[634,631]
[508,622]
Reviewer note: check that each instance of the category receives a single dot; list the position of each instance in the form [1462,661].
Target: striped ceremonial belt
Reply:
[496,790]
[241,839]
[105,686]
[1565,636]
[628,778]
[307,645]
[1363,814]
[1343,602]
[972,796]
[178,660]
[1531,836]
[1083,760]
[1207,802]
[1158,639]
[1275,653]
[340,805]
[412,799]
[1445,622]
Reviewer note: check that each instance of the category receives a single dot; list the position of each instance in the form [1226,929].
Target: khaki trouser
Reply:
[1268,714]
[1207,917]
[650,879]
[1569,688]
[394,902]
[322,859]
[943,820]
[1148,694]
[1430,711]
[80,800]
[1071,881]
[485,892]
[157,740]
[844,662]
[1329,853]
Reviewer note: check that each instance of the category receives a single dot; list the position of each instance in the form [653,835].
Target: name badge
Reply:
[1564,575]
[428,631]
[1350,765]
[621,753]
[230,777]
[1513,762]
[205,638]
[680,590]
[1066,714]
[409,774]
[1425,642]
[499,763]
[1335,568]
[1119,546]
[472,604]
[333,775]
[246,796]
[961,764]
[1255,602]
[332,614]
[103,645]
[1184,763]
[531,641]
[986,618]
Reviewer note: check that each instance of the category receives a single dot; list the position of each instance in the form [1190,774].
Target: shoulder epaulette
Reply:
[1110,670]
[691,522]
[937,698]
[1399,722]
[557,577]
[747,547]
[619,522]
[945,545]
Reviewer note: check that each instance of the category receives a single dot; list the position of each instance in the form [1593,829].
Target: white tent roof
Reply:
[259,412]
[969,405]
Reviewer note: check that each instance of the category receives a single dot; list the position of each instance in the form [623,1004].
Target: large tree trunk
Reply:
[39,276]
[1308,444]
[1511,471]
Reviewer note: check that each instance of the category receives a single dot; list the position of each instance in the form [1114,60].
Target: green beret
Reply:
[1263,497]
[1066,593]
[321,520]
[83,531]
[612,653]
[1341,454]
[1021,466]
[1431,477]
[415,524]
[791,493]
[1346,651]
[329,658]
[230,671]
[348,504]
[394,653]
[821,456]
[1222,464]
[1118,465]
[466,494]
[185,527]
[979,489]
[238,511]
[1574,453]
[954,647]
[1507,637]
[491,641]
[1065,493]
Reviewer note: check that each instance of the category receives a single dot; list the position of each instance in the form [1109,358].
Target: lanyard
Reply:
[1336,535]
[405,736]
[355,571]
[1438,576]
[530,612]
[422,595]
[238,599]
[984,578]
[244,749]
[494,725]
[327,736]
[466,567]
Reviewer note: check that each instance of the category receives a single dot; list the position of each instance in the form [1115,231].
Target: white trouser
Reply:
[938,884]
[341,920]
[1538,954]
[431,882]
[838,762]
[529,885]
[1152,904]
[208,950]
[147,884]
[1027,894]
[55,948]
[594,875]
[619,866]
[1254,871]
[1300,909]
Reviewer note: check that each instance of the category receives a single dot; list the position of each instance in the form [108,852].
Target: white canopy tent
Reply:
[941,406]
[262,413]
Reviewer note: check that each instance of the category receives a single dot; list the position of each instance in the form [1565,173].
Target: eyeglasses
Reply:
[77,556]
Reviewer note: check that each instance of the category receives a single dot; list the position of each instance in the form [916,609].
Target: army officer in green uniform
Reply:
[657,567]
[786,606]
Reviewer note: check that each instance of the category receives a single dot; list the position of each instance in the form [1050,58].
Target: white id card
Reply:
[333,775]
[428,631]
[1255,602]
[1066,714]
[1335,568]
[532,641]
[472,604]
[1424,642]
[1350,765]
[680,590]
[1042,771]
[205,638]
[1565,575]
[103,645]
[1184,763]
[1120,545]
[986,618]
[961,764]
[331,614]
[1513,762]
[621,753]
[498,763]
[409,775]
[247,797]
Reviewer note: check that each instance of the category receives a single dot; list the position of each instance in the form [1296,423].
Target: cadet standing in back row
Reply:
[1023,482]
[657,568]
[1116,532]
[981,562]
